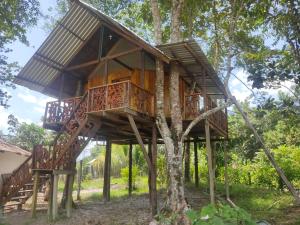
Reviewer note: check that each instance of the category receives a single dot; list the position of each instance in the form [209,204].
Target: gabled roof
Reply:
[75,30]
[6,147]
[64,42]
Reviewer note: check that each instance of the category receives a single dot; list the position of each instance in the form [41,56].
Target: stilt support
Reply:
[130,170]
[210,164]
[50,198]
[79,179]
[196,163]
[107,167]
[69,195]
[35,193]
[54,196]
[187,159]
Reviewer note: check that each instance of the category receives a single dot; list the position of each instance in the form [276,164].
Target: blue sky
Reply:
[28,106]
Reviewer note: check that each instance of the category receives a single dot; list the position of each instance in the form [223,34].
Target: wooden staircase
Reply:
[72,138]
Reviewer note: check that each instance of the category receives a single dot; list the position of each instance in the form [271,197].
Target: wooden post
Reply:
[149,174]
[154,174]
[50,199]
[70,177]
[187,160]
[226,174]
[130,170]
[214,163]
[209,162]
[196,163]
[142,72]
[106,71]
[54,196]
[107,165]
[79,179]
[35,193]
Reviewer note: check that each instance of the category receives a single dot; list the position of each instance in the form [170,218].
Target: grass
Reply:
[261,203]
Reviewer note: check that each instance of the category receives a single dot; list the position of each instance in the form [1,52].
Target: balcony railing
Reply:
[59,111]
[115,96]
[196,104]
[121,95]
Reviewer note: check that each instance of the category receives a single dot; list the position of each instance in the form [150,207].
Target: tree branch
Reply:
[204,116]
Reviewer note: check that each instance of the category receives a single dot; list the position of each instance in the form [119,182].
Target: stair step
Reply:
[12,204]
[19,197]
[25,191]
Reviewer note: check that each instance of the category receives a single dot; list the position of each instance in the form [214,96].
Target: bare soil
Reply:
[120,211]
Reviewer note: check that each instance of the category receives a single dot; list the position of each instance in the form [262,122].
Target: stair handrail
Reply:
[63,128]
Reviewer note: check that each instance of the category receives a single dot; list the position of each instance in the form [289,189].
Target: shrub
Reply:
[221,215]
[125,175]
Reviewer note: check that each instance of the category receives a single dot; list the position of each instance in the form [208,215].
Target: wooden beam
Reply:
[130,170]
[107,167]
[116,55]
[142,65]
[50,199]
[79,179]
[100,52]
[209,162]
[69,195]
[106,71]
[54,197]
[196,163]
[140,141]
[35,193]
[217,82]
[82,65]
[187,161]
[154,175]
[94,72]
[123,64]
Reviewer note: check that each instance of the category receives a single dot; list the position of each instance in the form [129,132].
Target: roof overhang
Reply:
[196,67]
[62,45]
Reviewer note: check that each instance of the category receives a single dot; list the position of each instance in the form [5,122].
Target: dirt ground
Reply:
[119,211]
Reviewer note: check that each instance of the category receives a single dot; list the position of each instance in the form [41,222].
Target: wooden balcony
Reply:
[196,104]
[127,97]
[118,97]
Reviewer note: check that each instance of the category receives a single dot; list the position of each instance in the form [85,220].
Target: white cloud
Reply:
[3,119]
[28,98]
[39,109]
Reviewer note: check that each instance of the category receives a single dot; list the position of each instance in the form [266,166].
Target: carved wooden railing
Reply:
[121,95]
[74,135]
[68,142]
[218,119]
[59,111]
[23,174]
[195,104]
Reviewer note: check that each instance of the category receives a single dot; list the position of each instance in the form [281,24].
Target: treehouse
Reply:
[103,77]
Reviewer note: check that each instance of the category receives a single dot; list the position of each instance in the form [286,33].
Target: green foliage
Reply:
[118,159]
[15,17]
[27,135]
[220,215]
[125,175]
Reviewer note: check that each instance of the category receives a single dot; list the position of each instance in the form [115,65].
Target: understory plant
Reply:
[221,214]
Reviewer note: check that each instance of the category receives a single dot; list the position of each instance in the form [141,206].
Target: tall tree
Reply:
[15,17]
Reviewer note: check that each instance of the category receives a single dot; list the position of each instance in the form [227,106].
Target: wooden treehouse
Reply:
[103,77]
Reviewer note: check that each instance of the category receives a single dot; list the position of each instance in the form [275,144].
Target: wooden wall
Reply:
[134,77]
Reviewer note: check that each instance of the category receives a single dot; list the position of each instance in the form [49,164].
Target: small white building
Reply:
[11,157]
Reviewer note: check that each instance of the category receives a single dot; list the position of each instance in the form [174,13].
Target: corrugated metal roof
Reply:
[77,26]
[196,64]
[60,47]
